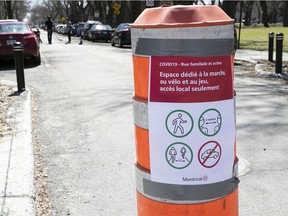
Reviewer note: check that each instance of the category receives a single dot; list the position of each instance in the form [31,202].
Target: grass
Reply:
[256,37]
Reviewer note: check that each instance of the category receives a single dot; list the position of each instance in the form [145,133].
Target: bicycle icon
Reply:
[179,155]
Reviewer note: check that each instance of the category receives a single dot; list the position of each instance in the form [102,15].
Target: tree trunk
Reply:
[157,3]
[136,9]
[248,13]
[124,13]
[230,8]
[109,16]
[265,14]
[285,17]
[9,9]
[74,14]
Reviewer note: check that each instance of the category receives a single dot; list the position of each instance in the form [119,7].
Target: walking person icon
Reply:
[177,124]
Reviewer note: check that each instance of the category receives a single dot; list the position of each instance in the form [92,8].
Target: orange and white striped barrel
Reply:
[184,117]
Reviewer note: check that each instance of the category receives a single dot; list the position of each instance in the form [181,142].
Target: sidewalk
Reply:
[253,56]
[17,193]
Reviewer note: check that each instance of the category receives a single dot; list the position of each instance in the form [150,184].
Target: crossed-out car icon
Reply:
[210,154]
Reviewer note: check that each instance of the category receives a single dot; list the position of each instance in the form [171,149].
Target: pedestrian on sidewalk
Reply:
[68,30]
[49,24]
[81,36]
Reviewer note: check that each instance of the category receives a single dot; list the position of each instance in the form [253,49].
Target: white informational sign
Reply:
[191,120]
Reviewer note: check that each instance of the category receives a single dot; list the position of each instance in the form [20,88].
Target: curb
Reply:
[259,70]
[17,192]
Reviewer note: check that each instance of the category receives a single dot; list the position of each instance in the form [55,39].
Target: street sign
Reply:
[116,8]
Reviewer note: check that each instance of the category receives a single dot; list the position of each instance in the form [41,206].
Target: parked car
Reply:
[100,32]
[74,28]
[11,32]
[87,25]
[122,35]
[36,31]
[9,20]
[60,28]
[80,28]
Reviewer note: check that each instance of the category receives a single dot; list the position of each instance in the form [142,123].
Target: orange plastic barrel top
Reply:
[182,16]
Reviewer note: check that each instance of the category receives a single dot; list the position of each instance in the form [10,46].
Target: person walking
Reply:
[81,35]
[68,30]
[49,24]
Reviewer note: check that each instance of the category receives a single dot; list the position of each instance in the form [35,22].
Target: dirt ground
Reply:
[42,202]
[5,103]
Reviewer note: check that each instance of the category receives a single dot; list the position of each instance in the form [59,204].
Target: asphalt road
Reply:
[262,144]
[86,126]
[85,95]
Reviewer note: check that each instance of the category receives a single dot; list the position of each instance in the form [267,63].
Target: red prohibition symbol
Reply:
[209,154]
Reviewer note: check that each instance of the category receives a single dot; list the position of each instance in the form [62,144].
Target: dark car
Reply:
[11,32]
[100,32]
[74,28]
[87,25]
[122,35]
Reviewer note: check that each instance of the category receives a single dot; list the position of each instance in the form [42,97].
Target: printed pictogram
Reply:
[209,154]
[179,155]
[210,122]
[179,123]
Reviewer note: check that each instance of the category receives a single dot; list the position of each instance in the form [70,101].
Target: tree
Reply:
[285,15]
[14,9]
[265,14]
[130,10]
[230,8]
[39,14]
[248,7]
[136,8]
[9,9]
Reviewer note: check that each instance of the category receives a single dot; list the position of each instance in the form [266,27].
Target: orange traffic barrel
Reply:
[184,113]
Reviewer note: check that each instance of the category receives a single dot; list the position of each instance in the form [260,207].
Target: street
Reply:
[86,126]
[87,131]
[262,143]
